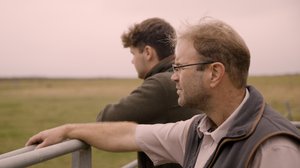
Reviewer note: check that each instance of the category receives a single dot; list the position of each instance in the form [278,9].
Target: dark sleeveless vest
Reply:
[255,123]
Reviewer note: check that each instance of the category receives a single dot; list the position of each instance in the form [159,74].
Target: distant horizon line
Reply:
[119,77]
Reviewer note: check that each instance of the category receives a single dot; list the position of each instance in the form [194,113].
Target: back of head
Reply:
[216,41]
[154,32]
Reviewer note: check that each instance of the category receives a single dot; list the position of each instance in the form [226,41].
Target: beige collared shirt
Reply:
[165,143]
[211,139]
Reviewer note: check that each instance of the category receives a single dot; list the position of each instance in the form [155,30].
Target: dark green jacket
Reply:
[155,101]
[256,123]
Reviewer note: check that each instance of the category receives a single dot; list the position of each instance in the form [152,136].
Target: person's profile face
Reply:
[184,54]
[139,62]
[189,81]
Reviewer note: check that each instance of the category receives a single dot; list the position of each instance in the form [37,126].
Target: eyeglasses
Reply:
[178,68]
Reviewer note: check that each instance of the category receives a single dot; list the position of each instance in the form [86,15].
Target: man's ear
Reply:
[149,53]
[217,73]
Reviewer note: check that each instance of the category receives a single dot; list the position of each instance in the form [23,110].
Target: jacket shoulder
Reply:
[162,77]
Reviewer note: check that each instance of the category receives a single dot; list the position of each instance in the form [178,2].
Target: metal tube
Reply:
[17,152]
[132,164]
[43,154]
[296,123]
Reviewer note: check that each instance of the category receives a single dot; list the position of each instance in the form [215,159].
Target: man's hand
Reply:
[48,137]
[109,136]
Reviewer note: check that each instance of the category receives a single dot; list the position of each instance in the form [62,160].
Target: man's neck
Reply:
[225,104]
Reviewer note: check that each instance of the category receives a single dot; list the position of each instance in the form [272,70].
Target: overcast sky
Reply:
[81,38]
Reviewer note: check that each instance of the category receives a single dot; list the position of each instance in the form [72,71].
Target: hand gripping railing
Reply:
[28,156]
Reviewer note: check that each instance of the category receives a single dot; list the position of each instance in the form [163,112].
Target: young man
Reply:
[237,129]
[155,101]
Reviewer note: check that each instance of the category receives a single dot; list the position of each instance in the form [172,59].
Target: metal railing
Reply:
[296,123]
[132,164]
[81,154]
[27,156]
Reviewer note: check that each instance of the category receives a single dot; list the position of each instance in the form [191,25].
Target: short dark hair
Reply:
[154,32]
[216,41]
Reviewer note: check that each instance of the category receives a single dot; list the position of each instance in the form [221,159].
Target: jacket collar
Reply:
[163,66]
[250,114]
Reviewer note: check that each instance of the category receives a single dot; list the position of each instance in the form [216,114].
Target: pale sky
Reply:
[81,38]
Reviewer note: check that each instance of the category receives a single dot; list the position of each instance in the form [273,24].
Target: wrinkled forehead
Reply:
[185,52]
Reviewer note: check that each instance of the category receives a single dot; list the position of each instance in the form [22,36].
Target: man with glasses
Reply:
[155,101]
[237,128]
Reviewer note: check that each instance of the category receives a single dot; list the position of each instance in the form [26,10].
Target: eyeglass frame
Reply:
[177,68]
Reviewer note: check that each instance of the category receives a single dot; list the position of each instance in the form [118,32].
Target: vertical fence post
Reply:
[82,158]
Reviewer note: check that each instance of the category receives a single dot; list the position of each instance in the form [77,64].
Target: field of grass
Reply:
[281,92]
[28,106]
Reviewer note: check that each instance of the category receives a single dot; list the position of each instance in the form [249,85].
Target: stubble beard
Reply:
[197,101]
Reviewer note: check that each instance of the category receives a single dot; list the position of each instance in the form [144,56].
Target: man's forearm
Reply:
[110,136]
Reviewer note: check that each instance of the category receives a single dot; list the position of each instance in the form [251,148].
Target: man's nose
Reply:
[174,77]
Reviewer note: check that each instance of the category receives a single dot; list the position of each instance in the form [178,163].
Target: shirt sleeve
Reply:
[277,152]
[163,143]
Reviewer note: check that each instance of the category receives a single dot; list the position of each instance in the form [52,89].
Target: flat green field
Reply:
[28,106]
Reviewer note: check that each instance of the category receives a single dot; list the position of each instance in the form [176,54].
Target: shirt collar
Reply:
[221,131]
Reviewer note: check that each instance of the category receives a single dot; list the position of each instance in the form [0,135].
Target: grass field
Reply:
[28,106]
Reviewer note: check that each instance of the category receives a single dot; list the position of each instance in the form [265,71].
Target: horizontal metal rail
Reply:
[296,123]
[29,156]
[18,151]
[132,164]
